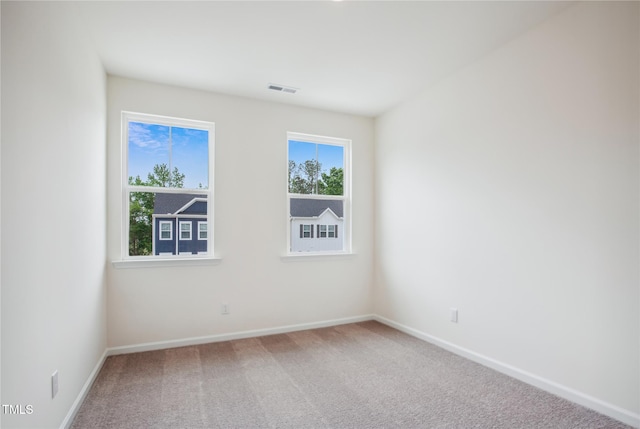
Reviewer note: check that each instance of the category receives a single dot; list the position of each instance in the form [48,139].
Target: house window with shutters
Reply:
[327,231]
[318,194]
[306,231]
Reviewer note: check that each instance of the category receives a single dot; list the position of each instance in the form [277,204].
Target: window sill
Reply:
[167,262]
[309,256]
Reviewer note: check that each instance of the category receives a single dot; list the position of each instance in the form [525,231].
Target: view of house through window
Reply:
[318,193]
[167,185]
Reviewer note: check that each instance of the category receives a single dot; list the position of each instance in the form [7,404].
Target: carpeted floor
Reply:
[363,375]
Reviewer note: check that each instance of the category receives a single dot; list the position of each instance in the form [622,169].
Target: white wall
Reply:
[516,182]
[53,211]
[251,221]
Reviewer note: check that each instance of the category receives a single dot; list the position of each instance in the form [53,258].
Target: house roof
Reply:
[302,207]
[166,203]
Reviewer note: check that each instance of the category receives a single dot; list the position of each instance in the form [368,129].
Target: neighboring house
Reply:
[180,224]
[316,225]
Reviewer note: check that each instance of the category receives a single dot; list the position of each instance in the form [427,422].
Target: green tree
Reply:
[333,183]
[140,226]
[162,177]
[303,177]
[297,185]
[141,207]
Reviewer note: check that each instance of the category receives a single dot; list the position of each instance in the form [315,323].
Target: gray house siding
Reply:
[171,208]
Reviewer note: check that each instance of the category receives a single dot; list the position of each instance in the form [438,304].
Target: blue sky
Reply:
[187,149]
[328,155]
[149,144]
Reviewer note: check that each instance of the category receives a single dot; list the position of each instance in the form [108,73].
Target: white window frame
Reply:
[331,231]
[127,189]
[200,231]
[345,197]
[165,222]
[190,225]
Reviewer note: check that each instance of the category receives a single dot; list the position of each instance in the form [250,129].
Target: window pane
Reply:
[185,210]
[303,168]
[331,160]
[166,230]
[185,230]
[162,212]
[202,230]
[148,147]
[315,168]
[167,156]
[190,155]
[310,219]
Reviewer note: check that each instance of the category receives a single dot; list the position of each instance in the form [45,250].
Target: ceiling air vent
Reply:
[282,88]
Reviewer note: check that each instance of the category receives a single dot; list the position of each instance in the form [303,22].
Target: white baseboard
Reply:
[68,420]
[565,392]
[145,347]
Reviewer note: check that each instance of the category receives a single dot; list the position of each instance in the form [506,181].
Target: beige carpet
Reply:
[363,375]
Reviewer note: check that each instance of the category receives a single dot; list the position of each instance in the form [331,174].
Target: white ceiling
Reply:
[360,57]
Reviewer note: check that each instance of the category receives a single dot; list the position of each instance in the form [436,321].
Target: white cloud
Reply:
[147,136]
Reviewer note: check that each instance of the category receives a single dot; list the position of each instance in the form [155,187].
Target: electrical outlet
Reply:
[54,384]
[224,309]
[454,315]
